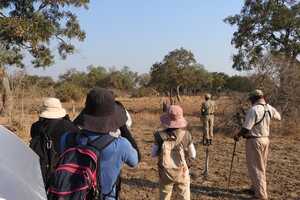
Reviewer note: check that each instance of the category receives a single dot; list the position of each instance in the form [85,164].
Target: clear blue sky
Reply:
[138,33]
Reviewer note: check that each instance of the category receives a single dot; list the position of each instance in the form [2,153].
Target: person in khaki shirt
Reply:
[256,130]
[207,116]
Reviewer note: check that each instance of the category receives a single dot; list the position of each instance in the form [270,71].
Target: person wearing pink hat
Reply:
[173,143]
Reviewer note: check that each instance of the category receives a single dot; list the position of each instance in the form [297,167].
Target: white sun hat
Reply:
[52,109]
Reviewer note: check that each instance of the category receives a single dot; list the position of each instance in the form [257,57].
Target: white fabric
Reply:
[52,109]
[117,133]
[255,114]
[20,174]
[192,151]
[129,120]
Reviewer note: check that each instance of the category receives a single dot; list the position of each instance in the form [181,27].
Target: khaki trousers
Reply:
[257,150]
[208,125]
[166,186]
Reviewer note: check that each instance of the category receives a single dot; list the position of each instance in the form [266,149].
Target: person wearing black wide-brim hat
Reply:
[100,117]
[121,118]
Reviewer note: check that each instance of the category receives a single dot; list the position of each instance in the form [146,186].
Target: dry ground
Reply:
[142,183]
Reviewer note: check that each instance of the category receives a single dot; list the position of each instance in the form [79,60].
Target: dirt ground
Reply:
[283,172]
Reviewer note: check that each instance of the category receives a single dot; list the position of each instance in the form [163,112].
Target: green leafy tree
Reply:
[178,69]
[265,26]
[123,79]
[143,80]
[239,84]
[42,82]
[95,76]
[33,27]
[218,81]
[74,77]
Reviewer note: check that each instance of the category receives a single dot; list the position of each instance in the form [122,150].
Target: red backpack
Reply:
[76,175]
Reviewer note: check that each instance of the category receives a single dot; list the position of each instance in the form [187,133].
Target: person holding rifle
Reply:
[256,131]
[207,116]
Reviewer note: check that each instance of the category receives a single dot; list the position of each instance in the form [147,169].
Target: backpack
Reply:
[76,175]
[172,156]
[42,145]
[207,108]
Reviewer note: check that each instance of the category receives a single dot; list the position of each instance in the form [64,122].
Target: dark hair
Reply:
[254,99]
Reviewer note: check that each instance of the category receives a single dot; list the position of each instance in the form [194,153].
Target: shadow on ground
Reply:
[195,189]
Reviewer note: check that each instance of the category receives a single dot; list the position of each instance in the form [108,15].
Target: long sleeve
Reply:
[192,151]
[275,114]
[127,134]
[130,155]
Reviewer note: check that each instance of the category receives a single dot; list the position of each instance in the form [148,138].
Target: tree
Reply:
[33,26]
[219,80]
[178,69]
[268,40]
[95,76]
[74,77]
[239,84]
[123,79]
[143,80]
[265,26]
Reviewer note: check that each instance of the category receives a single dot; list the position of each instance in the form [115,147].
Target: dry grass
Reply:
[142,183]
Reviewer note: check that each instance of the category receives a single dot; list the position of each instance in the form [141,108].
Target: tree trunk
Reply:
[7,100]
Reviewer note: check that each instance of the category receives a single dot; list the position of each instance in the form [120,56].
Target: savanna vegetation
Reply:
[267,40]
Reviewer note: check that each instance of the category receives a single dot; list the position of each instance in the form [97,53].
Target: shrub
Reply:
[143,92]
[67,92]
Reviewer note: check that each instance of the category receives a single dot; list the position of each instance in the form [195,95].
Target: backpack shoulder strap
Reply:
[177,136]
[180,135]
[101,142]
[164,135]
[265,112]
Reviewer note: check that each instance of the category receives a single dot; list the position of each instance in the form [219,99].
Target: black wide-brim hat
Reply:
[101,113]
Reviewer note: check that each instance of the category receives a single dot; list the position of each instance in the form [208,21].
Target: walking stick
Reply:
[205,173]
[231,165]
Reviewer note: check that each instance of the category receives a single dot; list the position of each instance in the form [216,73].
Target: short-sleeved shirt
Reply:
[186,140]
[258,119]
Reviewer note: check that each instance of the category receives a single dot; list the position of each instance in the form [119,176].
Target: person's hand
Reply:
[236,137]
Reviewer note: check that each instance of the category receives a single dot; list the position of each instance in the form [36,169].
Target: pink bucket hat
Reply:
[174,118]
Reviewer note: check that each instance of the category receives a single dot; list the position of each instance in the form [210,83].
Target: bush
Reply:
[67,92]
[143,92]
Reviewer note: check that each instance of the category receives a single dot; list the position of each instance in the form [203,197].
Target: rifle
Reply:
[239,117]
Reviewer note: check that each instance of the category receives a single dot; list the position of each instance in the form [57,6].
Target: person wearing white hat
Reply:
[52,109]
[53,122]
[256,130]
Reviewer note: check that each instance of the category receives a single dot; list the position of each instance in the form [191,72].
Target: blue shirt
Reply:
[112,159]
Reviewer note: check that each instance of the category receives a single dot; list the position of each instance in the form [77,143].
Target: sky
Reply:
[138,33]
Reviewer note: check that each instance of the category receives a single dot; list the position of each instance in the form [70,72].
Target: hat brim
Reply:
[168,123]
[102,124]
[53,113]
